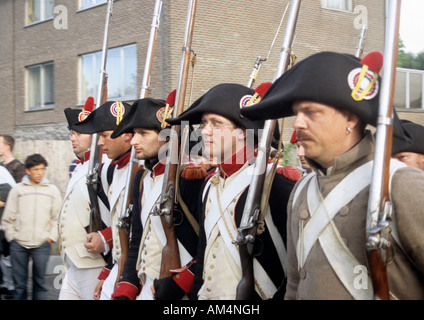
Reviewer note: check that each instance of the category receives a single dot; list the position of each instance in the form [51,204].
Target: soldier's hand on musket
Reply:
[94,243]
[166,289]
[98,290]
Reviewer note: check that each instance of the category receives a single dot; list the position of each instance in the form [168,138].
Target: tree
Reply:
[409,60]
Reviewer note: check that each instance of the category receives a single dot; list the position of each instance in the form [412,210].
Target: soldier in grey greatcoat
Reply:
[333,101]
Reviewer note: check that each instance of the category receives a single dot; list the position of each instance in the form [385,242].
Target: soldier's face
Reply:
[146,143]
[221,137]
[411,159]
[113,147]
[80,143]
[322,131]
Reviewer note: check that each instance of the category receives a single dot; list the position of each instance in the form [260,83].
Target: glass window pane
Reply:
[130,71]
[345,5]
[121,69]
[34,85]
[48,84]
[33,11]
[48,9]
[113,70]
[90,3]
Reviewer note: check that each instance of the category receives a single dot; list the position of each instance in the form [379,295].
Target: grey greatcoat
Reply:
[315,278]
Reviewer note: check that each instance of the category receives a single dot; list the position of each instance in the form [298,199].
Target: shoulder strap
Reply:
[189,215]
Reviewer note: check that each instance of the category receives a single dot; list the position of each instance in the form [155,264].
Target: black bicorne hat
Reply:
[146,113]
[416,144]
[104,118]
[74,116]
[224,99]
[339,80]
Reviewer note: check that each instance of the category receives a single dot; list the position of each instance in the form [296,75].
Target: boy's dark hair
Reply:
[34,160]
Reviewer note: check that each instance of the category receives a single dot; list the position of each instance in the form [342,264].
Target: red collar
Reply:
[85,158]
[158,169]
[122,161]
[231,166]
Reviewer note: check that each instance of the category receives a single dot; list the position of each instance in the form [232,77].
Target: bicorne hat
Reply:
[74,116]
[339,80]
[104,118]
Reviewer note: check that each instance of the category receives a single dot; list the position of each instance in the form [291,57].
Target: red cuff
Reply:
[103,274]
[107,234]
[184,280]
[126,289]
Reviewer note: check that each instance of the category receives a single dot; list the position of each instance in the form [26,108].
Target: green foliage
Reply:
[409,60]
[290,155]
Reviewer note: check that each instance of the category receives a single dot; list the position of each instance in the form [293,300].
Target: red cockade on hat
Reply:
[260,90]
[88,108]
[293,138]
[166,112]
[364,81]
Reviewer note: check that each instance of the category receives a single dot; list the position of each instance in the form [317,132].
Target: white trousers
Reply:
[79,284]
[146,292]
[109,284]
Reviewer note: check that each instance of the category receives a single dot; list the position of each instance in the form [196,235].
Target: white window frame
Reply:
[346,7]
[95,76]
[43,14]
[42,84]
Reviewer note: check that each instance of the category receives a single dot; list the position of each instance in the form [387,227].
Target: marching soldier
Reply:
[328,208]
[103,120]
[229,138]
[410,153]
[146,121]
[82,267]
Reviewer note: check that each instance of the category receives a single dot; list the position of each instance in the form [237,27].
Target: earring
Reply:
[349,130]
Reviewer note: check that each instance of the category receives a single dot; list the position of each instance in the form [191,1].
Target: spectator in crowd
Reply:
[30,225]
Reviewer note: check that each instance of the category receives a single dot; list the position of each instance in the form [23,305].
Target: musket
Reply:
[164,206]
[95,161]
[379,205]
[259,59]
[252,210]
[124,222]
[361,41]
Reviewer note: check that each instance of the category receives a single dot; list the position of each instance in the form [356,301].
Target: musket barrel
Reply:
[385,116]
[145,84]
[254,195]
[379,200]
[288,39]
[165,205]
[361,41]
[144,92]
[92,176]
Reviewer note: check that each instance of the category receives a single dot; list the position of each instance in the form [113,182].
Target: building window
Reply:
[341,5]
[40,86]
[84,4]
[39,10]
[121,69]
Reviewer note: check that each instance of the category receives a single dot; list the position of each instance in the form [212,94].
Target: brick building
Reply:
[50,49]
